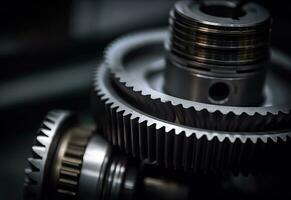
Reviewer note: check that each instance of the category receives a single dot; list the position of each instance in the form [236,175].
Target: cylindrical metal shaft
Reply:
[218,52]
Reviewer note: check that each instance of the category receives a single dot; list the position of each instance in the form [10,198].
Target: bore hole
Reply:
[226,11]
[219,92]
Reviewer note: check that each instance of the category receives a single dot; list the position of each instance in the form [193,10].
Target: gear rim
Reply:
[173,145]
[45,142]
[115,56]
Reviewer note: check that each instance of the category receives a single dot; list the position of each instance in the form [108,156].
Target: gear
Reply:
[207,100]
[71,164]
[177,146]
[140,87]
[41,152]
[65,170]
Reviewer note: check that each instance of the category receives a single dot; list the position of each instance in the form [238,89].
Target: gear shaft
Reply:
[218,52]
[245,131]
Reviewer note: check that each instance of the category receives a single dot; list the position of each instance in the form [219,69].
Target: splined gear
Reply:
[54,169]
[71,164]
[177,146]
[135,82]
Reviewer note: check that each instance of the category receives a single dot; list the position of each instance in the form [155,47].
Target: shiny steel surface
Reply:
[93,171]
[137,62]
[172,145]
[84,166]
[218,52]
[222,113]
[38,171]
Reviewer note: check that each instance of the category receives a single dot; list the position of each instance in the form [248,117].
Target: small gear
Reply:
[67,158]
[71,163]
[173,145]
[42,151]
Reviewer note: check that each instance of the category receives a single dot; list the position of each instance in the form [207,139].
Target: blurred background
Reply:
[48,51]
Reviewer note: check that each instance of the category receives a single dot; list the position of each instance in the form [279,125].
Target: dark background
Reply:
[48,51]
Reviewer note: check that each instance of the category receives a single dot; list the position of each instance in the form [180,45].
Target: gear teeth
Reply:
[189,113]
[43,140]
[39,151]
[182,148]
[36,163]
[71,165]
[35,172]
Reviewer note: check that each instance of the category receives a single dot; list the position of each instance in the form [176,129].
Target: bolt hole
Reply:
[219,92]
[225,11]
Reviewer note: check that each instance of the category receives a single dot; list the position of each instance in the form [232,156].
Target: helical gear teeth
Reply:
[198,150]
[195,114]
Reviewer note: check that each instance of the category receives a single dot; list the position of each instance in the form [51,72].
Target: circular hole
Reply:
[219,92]
[225,11]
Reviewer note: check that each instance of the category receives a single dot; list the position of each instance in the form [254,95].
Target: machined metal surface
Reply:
[37,173]
[95,159]
[218,52]
[177,146]
[84,166]
[140,76]
[67,163]
[135,83]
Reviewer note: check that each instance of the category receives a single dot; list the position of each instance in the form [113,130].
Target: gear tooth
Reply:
[151,142]
[40,151]
[43,140]
[49,125]
[36,163]
[221,138]
[275,139]
[169,151]
[141,120]
[286,137]
[263,139]
[114,125]
[216,159]
[142,140]
[134,137]
[160,146]
[151,123]
[205,155]
[177,149]
[253,139]
[168,130]
[126,132]
[196,154]
[187,145]
[46,132]
[52,115]
[71,164]
[120,128]
[27,171]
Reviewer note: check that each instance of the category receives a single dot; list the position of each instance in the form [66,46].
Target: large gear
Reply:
[202,96]
[178,146]
[149,98]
